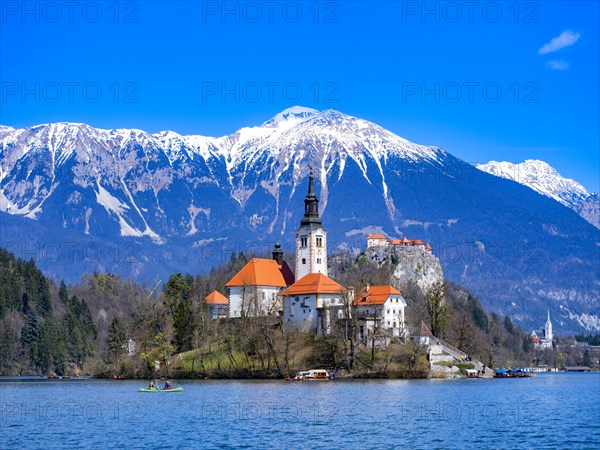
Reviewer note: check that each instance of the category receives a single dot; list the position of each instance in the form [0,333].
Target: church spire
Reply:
[311,204]
[277,253]
[548,328]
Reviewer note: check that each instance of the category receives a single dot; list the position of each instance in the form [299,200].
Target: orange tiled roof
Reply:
[259,272]
[417,242]
[216,298]
[395,242]
[314,283]
[427,246]
[376,295]
[376,236]
[404,240]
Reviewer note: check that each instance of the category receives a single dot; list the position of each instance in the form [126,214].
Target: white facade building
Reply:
[253,301]
[218,305]
[254,290]
[380,308]
[377,240]
[314,304]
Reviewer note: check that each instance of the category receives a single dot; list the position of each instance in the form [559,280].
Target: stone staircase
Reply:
[441,351]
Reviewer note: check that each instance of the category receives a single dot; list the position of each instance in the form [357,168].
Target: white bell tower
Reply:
[548,328]
[311,237]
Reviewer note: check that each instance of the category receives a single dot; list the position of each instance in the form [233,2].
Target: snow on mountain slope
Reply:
[540,177]
[132,160]
[543,178]
[204,197]
[589,209]
[291,116]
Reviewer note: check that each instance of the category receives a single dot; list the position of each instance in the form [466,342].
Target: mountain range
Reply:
[543,178]
[80,199]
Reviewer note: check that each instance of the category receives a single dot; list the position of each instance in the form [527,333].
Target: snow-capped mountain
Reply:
[123,170]
[82,199]
[543,178]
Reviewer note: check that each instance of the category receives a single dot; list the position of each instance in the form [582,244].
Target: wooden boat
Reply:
[300,376]
[177,389]
[311,375]
[317,374]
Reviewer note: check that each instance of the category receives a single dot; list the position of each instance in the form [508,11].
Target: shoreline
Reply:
[351,377]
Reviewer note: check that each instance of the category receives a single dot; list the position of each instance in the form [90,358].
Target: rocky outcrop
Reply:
[414,265]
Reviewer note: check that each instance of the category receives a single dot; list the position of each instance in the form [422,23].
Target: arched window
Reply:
[303,260]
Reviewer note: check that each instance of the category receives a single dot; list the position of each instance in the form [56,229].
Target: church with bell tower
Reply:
[311,237]
[547,340]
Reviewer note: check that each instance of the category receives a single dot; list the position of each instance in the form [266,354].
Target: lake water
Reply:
[547,411]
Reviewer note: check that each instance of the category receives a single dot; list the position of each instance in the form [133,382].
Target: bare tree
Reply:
[437,310]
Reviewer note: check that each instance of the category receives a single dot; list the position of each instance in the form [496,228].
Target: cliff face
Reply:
[414,265]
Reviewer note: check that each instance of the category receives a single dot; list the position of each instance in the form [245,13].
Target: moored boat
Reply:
[314,374]
[298,377]
[472,373]
[317,374]
[513,373]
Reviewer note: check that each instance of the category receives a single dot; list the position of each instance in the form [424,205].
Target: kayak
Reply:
[177,389]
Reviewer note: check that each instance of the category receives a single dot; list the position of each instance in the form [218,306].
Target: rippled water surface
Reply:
[547,411]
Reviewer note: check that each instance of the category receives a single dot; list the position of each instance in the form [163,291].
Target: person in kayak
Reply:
[151,385]
[168,385]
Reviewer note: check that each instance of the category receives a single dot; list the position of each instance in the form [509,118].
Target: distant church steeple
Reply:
[311,237]
[548,328]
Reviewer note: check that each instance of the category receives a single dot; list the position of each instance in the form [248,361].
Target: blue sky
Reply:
[498,80]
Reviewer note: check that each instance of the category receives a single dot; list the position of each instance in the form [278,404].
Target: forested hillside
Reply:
[105,325]
[43,328]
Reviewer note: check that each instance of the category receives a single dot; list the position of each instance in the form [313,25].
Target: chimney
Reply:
[367,288]
[278,253]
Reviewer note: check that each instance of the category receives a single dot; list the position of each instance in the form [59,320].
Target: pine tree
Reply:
[178,301]
[117,337]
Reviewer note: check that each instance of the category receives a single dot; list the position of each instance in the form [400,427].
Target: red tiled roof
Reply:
[427,246]
[424,330]
[287,273]
[417,242]
[395,242]
[376,295]
[259,272]
[376,236]
[404,240]
[216,298]
[314,283]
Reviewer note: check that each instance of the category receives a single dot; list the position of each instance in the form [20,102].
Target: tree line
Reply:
[109,326]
